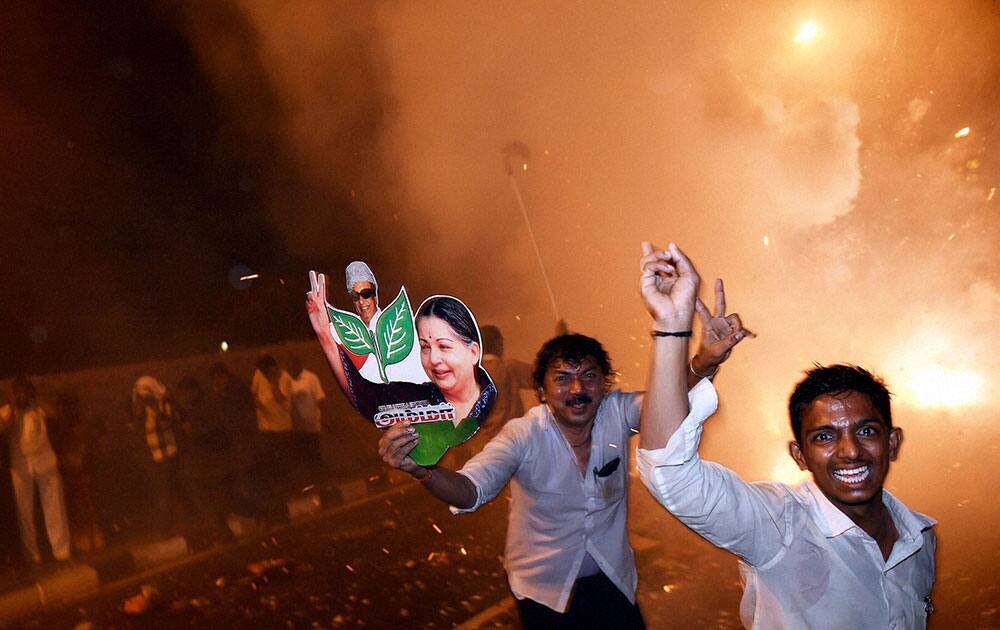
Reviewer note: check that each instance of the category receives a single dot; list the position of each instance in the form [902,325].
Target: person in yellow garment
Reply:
[838,551]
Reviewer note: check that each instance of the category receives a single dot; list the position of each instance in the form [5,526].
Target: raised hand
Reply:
[395,445]
[669,287]
[720,333]
[319,317]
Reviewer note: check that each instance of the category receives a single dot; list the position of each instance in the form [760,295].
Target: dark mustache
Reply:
[579,399]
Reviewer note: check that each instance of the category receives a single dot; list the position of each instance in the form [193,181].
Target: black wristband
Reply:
[661,333]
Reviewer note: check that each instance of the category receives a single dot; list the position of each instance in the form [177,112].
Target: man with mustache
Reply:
[835,552]
[568,560]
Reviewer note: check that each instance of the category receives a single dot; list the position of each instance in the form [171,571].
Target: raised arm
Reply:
[719,334]
[669,287]
[446,485]
[319,317]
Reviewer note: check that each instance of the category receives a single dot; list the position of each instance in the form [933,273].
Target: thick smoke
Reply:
[828,179]
[821,176]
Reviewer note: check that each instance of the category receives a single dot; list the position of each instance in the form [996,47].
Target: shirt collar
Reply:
[833,522]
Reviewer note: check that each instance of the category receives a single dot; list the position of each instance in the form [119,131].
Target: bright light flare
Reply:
[961,133]
[807,33]
[224,346]
[937,386]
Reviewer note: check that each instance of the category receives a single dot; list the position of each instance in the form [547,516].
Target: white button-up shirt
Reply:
[30,451]
[558,515]
[804,563]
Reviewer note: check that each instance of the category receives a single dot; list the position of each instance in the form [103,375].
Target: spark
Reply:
[612,445]
[462,549]
[524,167]
[436,528]
[385,551]
[349,568]
[667,588]
[993,191]
[767,240]
[224,346]
[249,276]
[807,32]
[961,133]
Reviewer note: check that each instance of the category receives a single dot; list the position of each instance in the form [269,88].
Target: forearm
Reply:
[448,486]
[697,370]
[332,353]
[665,404]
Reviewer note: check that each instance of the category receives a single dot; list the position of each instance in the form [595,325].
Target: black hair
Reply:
[492,340]
[455,314]
[573,348]
[23,383]
[218,369]
[189,383]
[833,380]
[265,363]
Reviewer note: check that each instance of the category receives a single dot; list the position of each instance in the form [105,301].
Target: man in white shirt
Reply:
[272,399]
[568,560]
[835,552]
[33,462]
[306,394]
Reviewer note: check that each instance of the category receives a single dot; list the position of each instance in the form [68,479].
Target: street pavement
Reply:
[399,559]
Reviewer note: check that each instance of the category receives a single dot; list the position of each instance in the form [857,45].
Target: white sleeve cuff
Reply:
[683,444]
[479,497]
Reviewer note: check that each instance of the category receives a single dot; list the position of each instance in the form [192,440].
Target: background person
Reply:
[155,412]
[272,391]
[33,463]
[307,393]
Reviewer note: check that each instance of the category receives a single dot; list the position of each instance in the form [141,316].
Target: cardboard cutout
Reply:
[423,404]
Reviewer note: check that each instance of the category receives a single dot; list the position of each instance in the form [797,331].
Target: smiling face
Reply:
[847,447]
[574,391]
[450,362]
[365,307]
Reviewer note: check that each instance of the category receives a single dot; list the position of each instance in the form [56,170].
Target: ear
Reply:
[895,440]
[476,350]
[796,452]
[541,394]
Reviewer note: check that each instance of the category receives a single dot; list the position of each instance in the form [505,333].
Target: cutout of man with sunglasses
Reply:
[363,289]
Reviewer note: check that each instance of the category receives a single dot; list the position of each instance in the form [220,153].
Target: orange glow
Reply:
[807,33]
[938,386]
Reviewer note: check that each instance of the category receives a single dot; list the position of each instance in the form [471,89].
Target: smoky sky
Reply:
[151,148]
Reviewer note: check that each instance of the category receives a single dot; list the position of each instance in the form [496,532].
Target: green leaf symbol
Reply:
[394,330]
[438,437]
[352,331]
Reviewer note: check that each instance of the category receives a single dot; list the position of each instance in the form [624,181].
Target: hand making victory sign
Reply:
[719,334]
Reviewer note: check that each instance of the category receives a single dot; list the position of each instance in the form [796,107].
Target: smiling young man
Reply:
[568,560]
[835,552]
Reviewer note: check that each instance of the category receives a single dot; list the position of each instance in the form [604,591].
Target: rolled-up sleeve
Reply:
[491,469]
[747,519]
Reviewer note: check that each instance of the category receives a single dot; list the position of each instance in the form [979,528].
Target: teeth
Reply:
[852,475]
